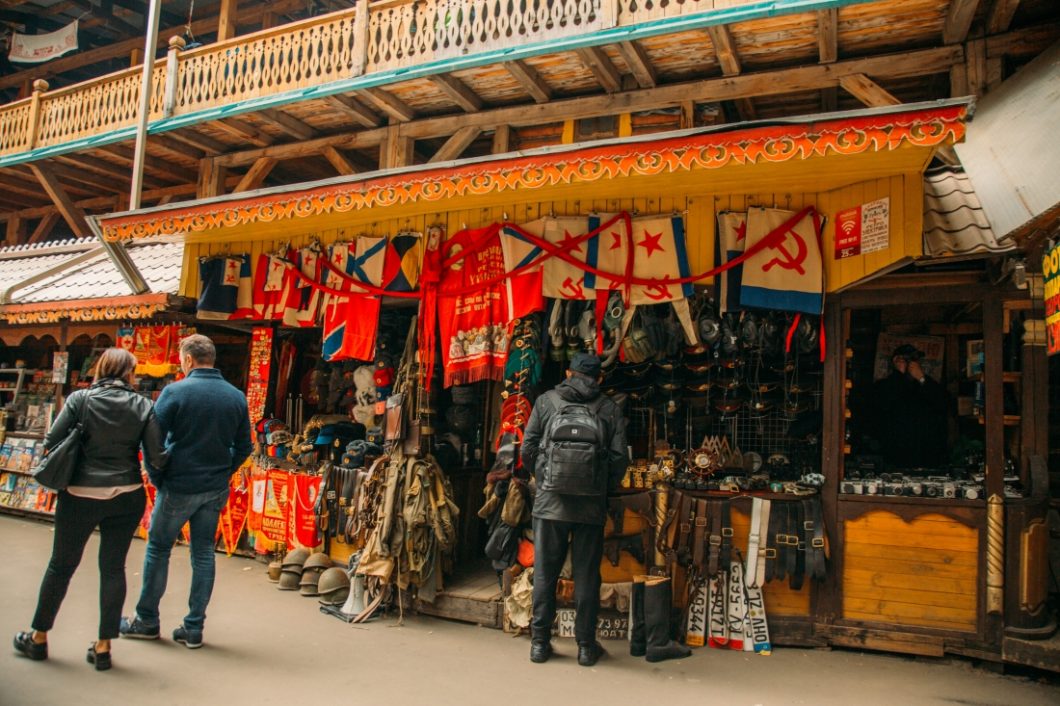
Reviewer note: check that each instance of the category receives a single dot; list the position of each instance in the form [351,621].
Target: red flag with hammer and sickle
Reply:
[788,273]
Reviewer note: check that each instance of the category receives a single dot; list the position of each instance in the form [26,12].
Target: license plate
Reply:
[612,626]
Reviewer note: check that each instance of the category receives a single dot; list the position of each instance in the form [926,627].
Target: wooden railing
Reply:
[370,37]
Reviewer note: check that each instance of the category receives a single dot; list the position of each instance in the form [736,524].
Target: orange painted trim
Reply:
[772,144]
[141,306]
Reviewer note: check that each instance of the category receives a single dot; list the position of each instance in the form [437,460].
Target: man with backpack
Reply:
[575,442]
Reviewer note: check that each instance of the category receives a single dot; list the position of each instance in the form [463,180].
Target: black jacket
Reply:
[117,421]
[911,421]
[566,508]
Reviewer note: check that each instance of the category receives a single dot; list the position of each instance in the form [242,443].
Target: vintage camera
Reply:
[971,491]
[893,489]
[949,490]
[914,489]
[847,487]
[873,487]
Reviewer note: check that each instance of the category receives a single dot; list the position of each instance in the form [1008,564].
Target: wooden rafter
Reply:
[1001,15]
[341,162]
[44,228]
[924,62]
[176,146]
[196,139]
[867,91]
[455,145]
[390,104]
[353,108]
[90,182]
[530,79]
[601,67]
[70,211]
[639,63]
[729,60]
[828,35]
[15,232]
[256,175]
[958,20]
[458,92]
[160,167]
[288,123]
[244,131]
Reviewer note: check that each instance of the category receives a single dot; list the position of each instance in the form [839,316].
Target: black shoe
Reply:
[137,629]
[589,653]
[34,650]
[540,651]
[192,639]
[100,659]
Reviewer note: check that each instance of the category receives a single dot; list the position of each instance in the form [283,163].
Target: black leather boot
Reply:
[540,651]
[637,638]
[657,605]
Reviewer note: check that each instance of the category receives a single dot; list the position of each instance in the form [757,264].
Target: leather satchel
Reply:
[394,430]
[58,464]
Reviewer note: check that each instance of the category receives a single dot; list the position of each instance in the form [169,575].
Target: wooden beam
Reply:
[725,49]
[530,79]
[828,35]
[396,150]
[226,20]
[44,228]
[867,91]
[244,131]
[502,137]
[288,123]
[390,104]
[176,146]
[338,160]
[161,167]
[605,72]
[639,63]
[356,110]
[71,212]
[455,145]
[23,185]
[203,142]
[255,176]
[924,62]
[958,21]
[688,114]
[74,187]
[91,181]
[1001,15]
[458,92]
[15,231]
[211,179]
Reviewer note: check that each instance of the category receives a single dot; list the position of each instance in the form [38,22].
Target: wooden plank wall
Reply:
[922,573]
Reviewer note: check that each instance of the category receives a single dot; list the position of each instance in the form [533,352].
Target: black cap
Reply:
[586,364]
[907,350]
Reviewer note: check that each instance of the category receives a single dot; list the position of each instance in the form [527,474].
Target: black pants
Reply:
[75,518]
[551,539]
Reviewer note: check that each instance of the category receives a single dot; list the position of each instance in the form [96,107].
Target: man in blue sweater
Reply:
[206,431]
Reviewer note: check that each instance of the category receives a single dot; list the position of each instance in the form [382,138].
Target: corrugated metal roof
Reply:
[954,220]
[1011,148]
[97,278]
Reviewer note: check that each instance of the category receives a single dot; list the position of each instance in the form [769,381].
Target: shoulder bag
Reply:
[57,466]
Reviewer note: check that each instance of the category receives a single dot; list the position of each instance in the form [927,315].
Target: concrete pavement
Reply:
[264,646]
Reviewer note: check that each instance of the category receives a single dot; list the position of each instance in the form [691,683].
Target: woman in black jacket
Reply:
[106,491]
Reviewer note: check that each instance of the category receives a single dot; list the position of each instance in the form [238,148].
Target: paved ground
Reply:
[265,647]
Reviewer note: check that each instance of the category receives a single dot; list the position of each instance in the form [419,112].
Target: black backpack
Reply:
[574,450]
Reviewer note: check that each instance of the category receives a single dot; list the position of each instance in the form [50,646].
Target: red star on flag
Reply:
[568,240]
[617,242]
[651,242]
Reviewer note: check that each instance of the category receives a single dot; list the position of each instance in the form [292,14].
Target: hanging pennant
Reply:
[227,290]
[732,237]
[38,48]
[788,274]
[350,322]
[303,301]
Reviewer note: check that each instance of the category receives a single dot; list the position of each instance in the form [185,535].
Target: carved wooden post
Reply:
[172,66]
[608,13]
[39,87]
[360,38]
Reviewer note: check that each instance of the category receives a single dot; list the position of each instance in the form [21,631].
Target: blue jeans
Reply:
[172,510]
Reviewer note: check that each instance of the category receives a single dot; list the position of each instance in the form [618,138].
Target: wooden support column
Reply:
[502,137]
[828,53]
[70,211]
[211,179]
[994,430]
[958,21]
[136,56]
[16,230]
[226,20]
[396,150]
[688,114]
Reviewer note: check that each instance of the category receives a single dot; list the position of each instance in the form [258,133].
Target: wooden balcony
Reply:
[388,35]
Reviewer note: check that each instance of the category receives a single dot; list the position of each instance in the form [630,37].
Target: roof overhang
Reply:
[826,151]
[139,306]
[1012,151]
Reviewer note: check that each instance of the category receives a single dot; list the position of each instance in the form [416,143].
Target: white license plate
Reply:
[608,627]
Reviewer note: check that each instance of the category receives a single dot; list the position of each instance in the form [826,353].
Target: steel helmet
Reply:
[296,557]
[288,580]
[308,584]
[334,586]
[320,560]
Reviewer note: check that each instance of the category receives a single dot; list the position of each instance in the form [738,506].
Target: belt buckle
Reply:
[701,522]
[715,540]
[808,525]
[726,532]
[685,528]
[768,553]
[801,546]
[817,543]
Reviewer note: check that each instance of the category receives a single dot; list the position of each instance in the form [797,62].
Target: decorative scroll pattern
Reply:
[138,310]
[690,153]
[406,34]
[288,57]
[102,105]
[14,126]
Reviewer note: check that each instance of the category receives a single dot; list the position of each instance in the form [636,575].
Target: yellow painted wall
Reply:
[922,573]
[700,210]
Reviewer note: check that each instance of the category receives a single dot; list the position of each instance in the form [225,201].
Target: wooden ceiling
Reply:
[876,53]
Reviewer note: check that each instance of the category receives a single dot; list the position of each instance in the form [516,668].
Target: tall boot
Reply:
[657,607]
[637,638]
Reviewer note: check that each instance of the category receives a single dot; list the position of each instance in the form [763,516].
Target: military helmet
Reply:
[296,557]
[334,586]
[320,560]
[288,580]
[308,584]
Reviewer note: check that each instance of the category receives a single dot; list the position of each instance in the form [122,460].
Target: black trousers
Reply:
[586,542]
[75,519]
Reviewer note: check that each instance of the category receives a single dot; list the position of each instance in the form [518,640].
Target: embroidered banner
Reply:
[37,48]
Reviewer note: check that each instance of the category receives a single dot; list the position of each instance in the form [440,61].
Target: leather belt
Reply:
[714,555]
[797,555]
[699,536]
[780,536]
[726,536]
[684,530]
[772,548]
[814,538]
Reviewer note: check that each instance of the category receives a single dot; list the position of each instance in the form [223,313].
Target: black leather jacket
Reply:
[116,422]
